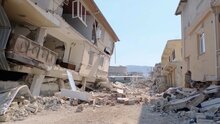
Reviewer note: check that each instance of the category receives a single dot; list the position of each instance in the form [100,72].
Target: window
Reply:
[91,57]
[79,11]
[96,32]
[173,55]
[94,38]
[202,43]
[101,61]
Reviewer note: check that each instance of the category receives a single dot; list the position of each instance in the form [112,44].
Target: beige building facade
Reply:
[201,41]
[171,63]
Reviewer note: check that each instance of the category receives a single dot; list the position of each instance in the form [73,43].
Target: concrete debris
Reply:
[76,95]
[210,102]
[212,89]
[205,121]
[19,109]
[195,105]
[79,108]
[122,100]
[21,104]
[74,102]
[7,96]
[4,118]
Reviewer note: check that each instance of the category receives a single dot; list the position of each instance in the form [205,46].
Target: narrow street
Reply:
[119,114]
[110,62]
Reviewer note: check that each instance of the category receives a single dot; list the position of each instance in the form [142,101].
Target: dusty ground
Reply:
[119,114]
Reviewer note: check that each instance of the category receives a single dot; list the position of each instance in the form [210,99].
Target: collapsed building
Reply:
[158,80]
[43,39]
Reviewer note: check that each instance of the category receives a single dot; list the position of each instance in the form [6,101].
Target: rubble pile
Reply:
[21,108]
[194,106]
[120,93]
[157,81]
[140,84]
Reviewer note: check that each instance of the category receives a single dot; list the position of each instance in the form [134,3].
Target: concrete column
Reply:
[61,84]
[83,84]
[40,36]
[36,84]
[66,52]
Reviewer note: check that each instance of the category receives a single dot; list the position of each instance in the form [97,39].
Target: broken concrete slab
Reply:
[210,107]
[212,89]
[200,116]
[196,100]
[190,114]
[210,102]
[186,102]
[205,121]
[84,96]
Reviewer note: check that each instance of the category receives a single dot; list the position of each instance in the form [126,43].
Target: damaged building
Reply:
[171,62]
[43,39]
[200,36]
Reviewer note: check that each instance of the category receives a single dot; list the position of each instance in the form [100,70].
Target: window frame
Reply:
[81,11]
[201,43]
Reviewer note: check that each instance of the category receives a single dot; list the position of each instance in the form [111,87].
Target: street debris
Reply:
[192,105]
[21,106]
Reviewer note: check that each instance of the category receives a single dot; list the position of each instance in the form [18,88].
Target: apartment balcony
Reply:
[28,52]
[28,12]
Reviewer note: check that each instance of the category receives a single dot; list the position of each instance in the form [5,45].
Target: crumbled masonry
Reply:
[191,105]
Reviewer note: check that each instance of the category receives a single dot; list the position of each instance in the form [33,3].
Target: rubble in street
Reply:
[126,94]
[192,105]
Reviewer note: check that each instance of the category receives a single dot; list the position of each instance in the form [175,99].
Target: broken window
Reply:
[79,11]
[202,43]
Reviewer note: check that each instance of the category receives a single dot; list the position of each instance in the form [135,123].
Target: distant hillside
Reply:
[135,68]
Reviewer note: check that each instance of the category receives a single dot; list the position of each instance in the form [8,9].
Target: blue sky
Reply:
[143,27]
